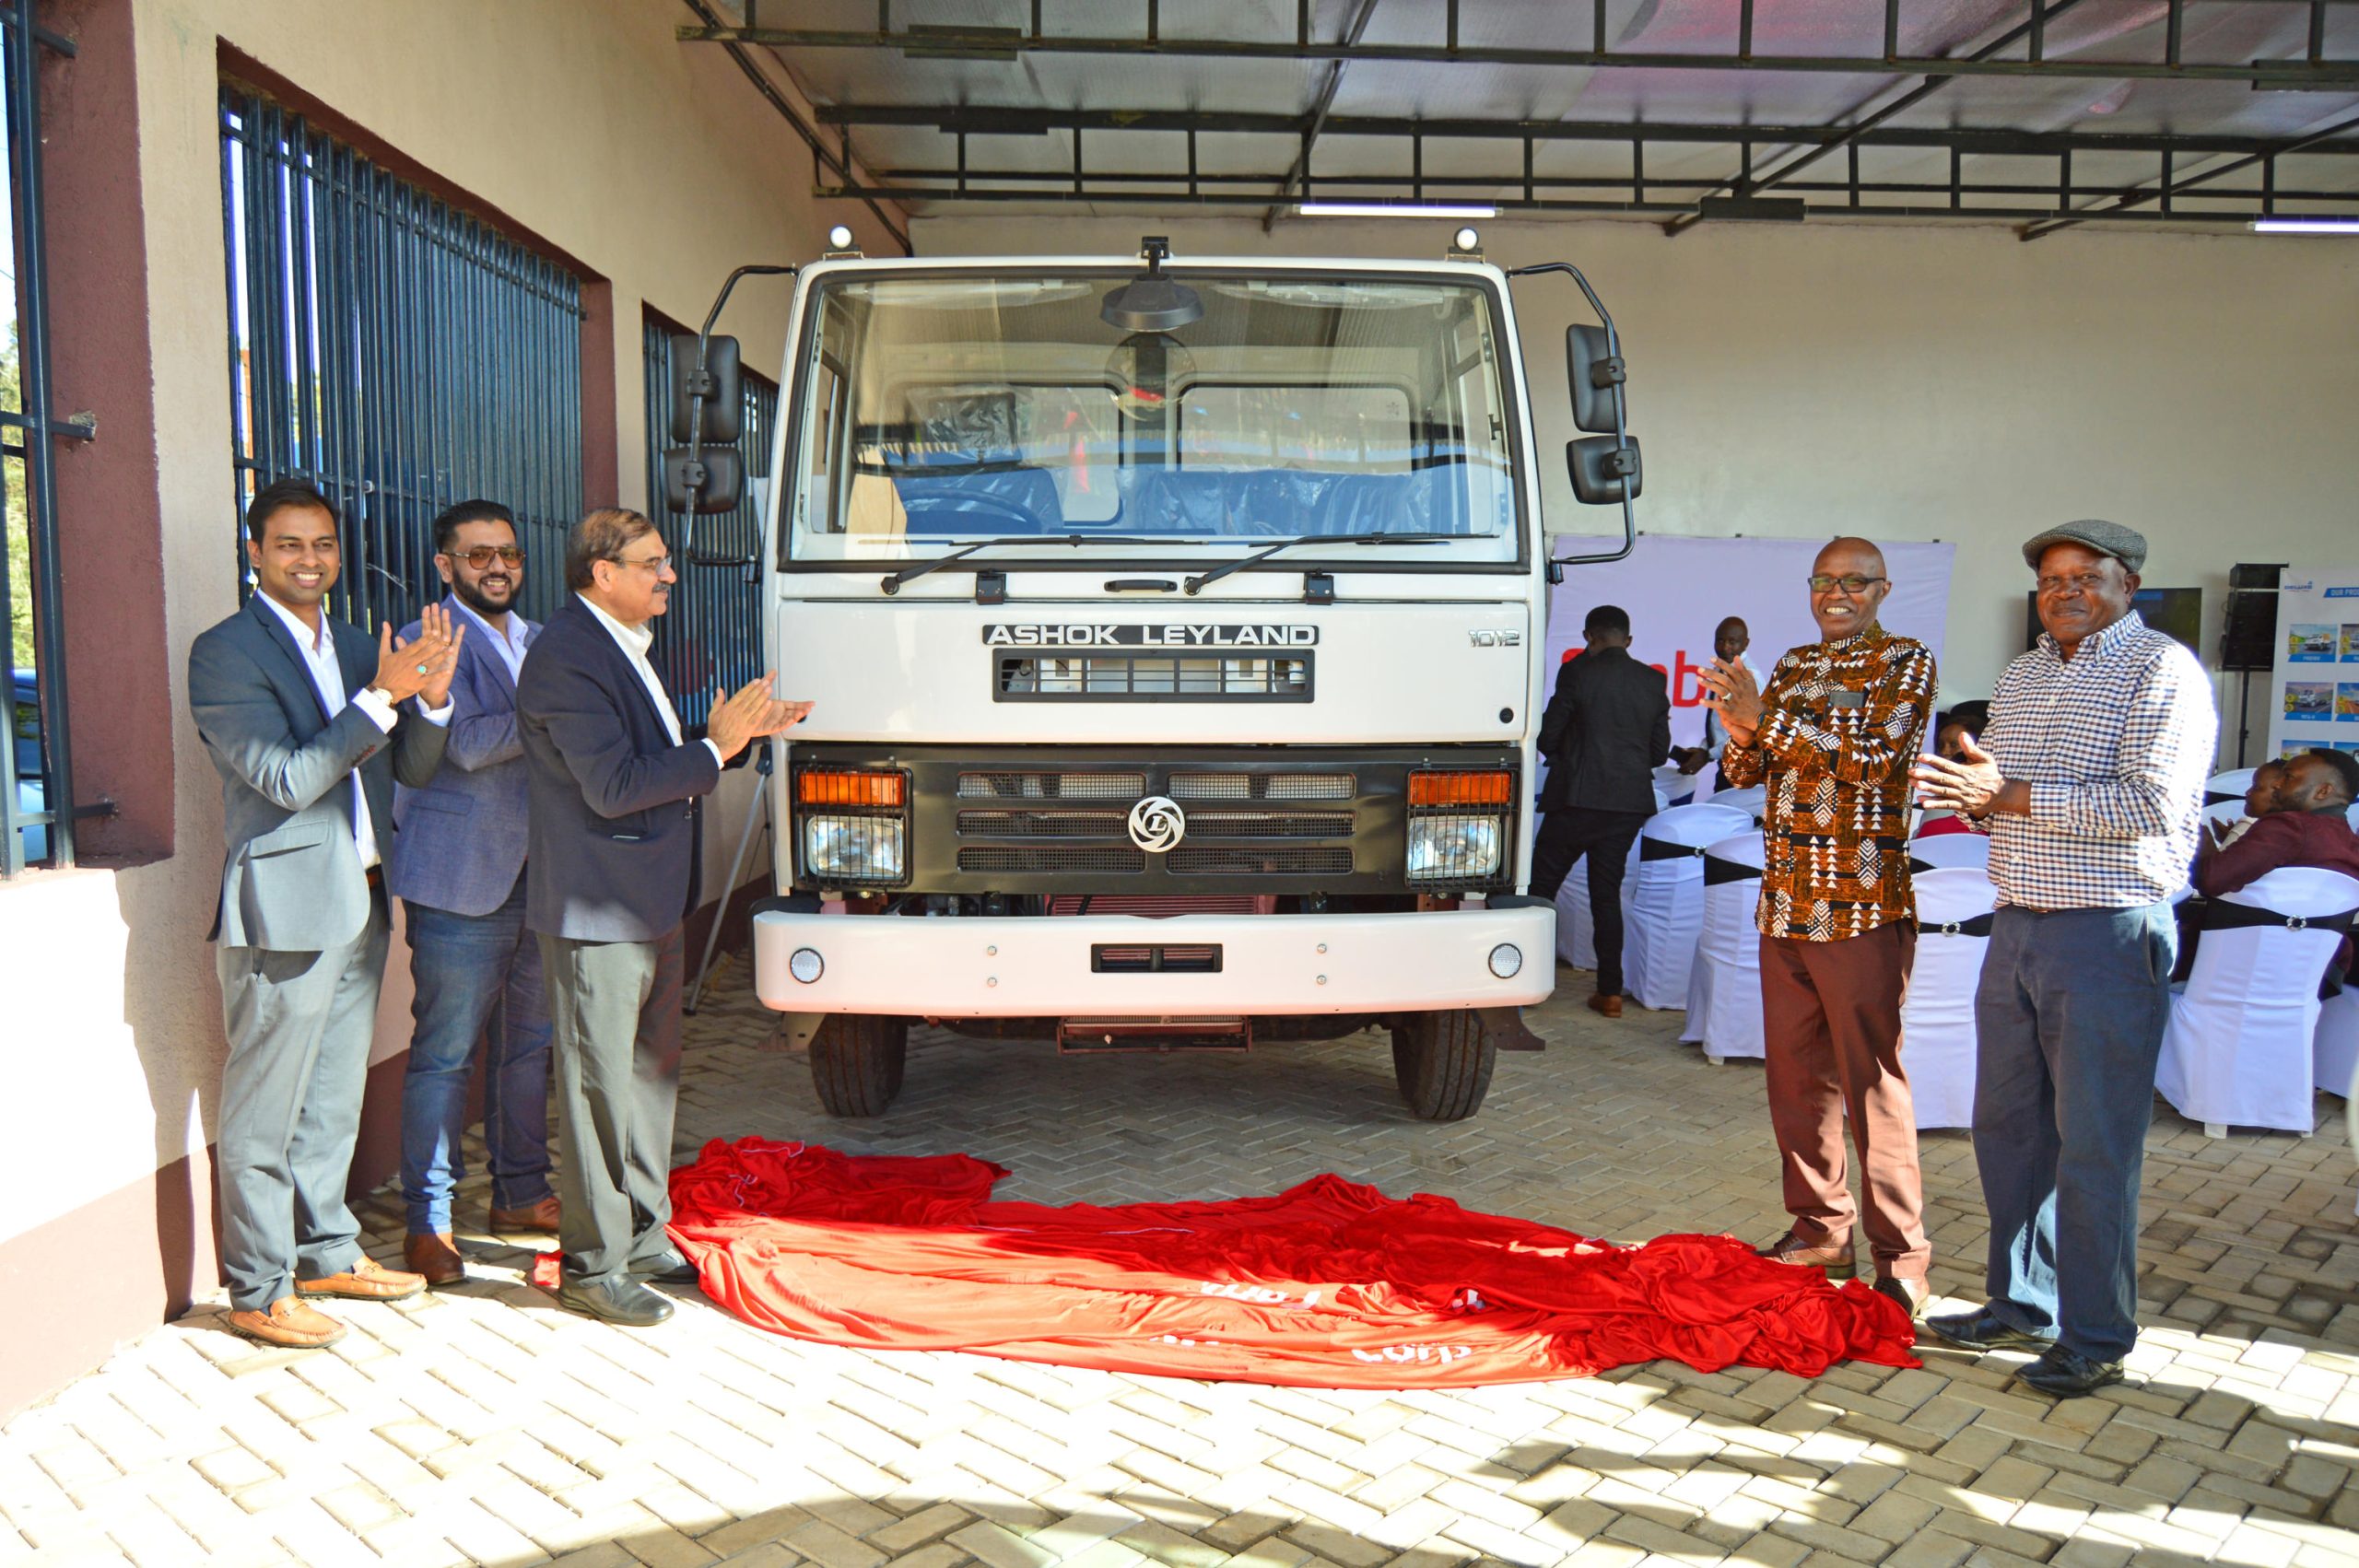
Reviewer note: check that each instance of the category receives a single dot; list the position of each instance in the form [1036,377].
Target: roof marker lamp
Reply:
[2305,226]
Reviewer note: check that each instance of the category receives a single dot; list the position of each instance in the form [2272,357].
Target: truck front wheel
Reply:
[856,1062]
[1442,1062]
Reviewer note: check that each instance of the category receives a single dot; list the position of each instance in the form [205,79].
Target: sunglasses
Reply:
[482,554]
[1821,582]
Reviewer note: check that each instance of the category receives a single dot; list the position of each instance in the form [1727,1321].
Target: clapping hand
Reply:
[1968,786]
[749,715]
[422,666]
[1736,696]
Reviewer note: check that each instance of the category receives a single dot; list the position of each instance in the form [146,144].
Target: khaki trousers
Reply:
[1830,1015]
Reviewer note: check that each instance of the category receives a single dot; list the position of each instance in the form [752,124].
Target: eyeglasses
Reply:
[1852,582]
[482,554]
[659,564]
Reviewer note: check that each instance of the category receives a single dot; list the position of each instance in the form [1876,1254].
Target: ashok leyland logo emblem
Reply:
[1156,824]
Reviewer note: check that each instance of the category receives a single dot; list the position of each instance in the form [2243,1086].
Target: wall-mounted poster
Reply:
[2315,685]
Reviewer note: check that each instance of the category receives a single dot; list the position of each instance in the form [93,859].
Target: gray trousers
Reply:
[298,1026]
[614,1007]
[2069,1022]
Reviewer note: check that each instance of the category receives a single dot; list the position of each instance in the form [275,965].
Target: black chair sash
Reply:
[1662,850]
[1977,926]
[2219,915]
[1718,871]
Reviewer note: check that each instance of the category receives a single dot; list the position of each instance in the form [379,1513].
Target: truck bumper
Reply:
[1048,967]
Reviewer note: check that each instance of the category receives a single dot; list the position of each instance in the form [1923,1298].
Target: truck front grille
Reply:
[1118,676]
[1024,858]
[1209,861]
[1261,786]
[1051,786]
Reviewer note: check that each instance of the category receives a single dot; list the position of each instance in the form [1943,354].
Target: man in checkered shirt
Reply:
[2091,788]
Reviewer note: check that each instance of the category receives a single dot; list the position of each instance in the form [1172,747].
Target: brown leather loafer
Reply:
[365,1280]
[1804,1253]
[434,1257]
[287,1323]
[540,1218]
[1610,1006]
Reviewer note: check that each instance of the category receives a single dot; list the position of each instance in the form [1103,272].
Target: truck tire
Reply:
[856,1061]
[1442,1062]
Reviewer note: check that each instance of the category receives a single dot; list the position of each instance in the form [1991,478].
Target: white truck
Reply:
[1176,631]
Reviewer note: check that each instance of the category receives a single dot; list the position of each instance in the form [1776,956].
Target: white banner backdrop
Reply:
[2314,692]
[1679,588]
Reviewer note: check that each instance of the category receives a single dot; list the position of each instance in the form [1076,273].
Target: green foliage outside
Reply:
[17,540]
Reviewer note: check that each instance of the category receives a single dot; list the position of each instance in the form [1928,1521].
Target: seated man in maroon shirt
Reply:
[2309,828]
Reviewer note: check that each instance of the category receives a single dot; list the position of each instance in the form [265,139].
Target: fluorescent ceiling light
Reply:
[1394,209]
[2305,226]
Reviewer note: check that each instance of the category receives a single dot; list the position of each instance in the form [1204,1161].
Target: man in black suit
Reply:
[1607,728]
[610,870]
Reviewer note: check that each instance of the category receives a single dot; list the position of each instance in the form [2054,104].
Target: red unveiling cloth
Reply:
[1329,1284]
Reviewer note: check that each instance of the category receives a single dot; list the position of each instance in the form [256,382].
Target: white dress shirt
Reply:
[510,645]
[318,650]
[635,641]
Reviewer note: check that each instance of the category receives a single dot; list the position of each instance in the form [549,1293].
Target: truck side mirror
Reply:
[723,387]
[1595,376]
[713,478]
[1604,474]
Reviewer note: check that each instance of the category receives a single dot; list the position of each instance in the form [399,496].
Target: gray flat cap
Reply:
[2124,544]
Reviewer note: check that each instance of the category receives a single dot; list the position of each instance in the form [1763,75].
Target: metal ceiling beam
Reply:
[827,159]
[1852,125]
[2302,73]
[2168,187]
[990,122]
[1319,109]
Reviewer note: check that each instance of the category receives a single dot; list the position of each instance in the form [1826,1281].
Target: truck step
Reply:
[1081,1035]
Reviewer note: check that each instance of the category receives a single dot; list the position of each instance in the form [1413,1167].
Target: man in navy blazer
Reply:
[460,872]
[610,872]
[309,743]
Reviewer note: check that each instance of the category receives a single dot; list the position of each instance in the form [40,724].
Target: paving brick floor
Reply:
[483,1425]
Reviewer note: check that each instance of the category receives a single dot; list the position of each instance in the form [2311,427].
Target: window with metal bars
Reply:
[712,634]
[36,782]
[398,353]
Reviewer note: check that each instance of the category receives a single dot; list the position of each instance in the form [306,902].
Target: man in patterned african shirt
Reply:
[1835,734]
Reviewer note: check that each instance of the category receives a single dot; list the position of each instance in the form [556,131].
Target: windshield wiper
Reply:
[907,574]
[1378,536]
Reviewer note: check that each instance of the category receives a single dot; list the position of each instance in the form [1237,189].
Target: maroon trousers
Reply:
[1830,1016]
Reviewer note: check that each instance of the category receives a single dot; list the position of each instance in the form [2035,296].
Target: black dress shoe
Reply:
[1982,1329]
[667,1268]
[2068,1374]
[615,1301]
[1911,1295]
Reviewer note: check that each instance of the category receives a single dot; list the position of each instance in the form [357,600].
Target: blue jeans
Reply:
[2069,1021]
[465,966]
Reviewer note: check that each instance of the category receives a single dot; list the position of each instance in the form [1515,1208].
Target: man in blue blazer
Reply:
[309,724]
[460,873]
[610,872]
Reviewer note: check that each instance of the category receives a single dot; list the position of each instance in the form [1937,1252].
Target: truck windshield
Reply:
[947,408]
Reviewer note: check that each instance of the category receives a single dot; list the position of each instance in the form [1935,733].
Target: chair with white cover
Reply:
[1945,851]
[1753,800]
[2228,786]
[1937,1033]
[2237,1051]
[1576,933]
[2222,813]
[1724,987]
[2334,1050]
[1674,788]
[1664,911]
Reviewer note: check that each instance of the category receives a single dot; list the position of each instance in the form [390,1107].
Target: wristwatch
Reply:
[381,695]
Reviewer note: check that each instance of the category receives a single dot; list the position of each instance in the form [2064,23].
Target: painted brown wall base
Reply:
[151,1248]
[73,1289]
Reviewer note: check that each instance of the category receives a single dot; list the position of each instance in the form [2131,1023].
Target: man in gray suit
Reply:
[610,874]
[460,873]
[298,725]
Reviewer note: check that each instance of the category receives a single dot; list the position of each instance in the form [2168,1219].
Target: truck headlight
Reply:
[854,848]
[1454,849]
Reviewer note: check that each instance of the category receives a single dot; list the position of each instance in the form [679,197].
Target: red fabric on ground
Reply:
[1329,1284]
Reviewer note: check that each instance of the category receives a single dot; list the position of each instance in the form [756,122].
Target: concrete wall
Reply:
[1920,384]
[573,121]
